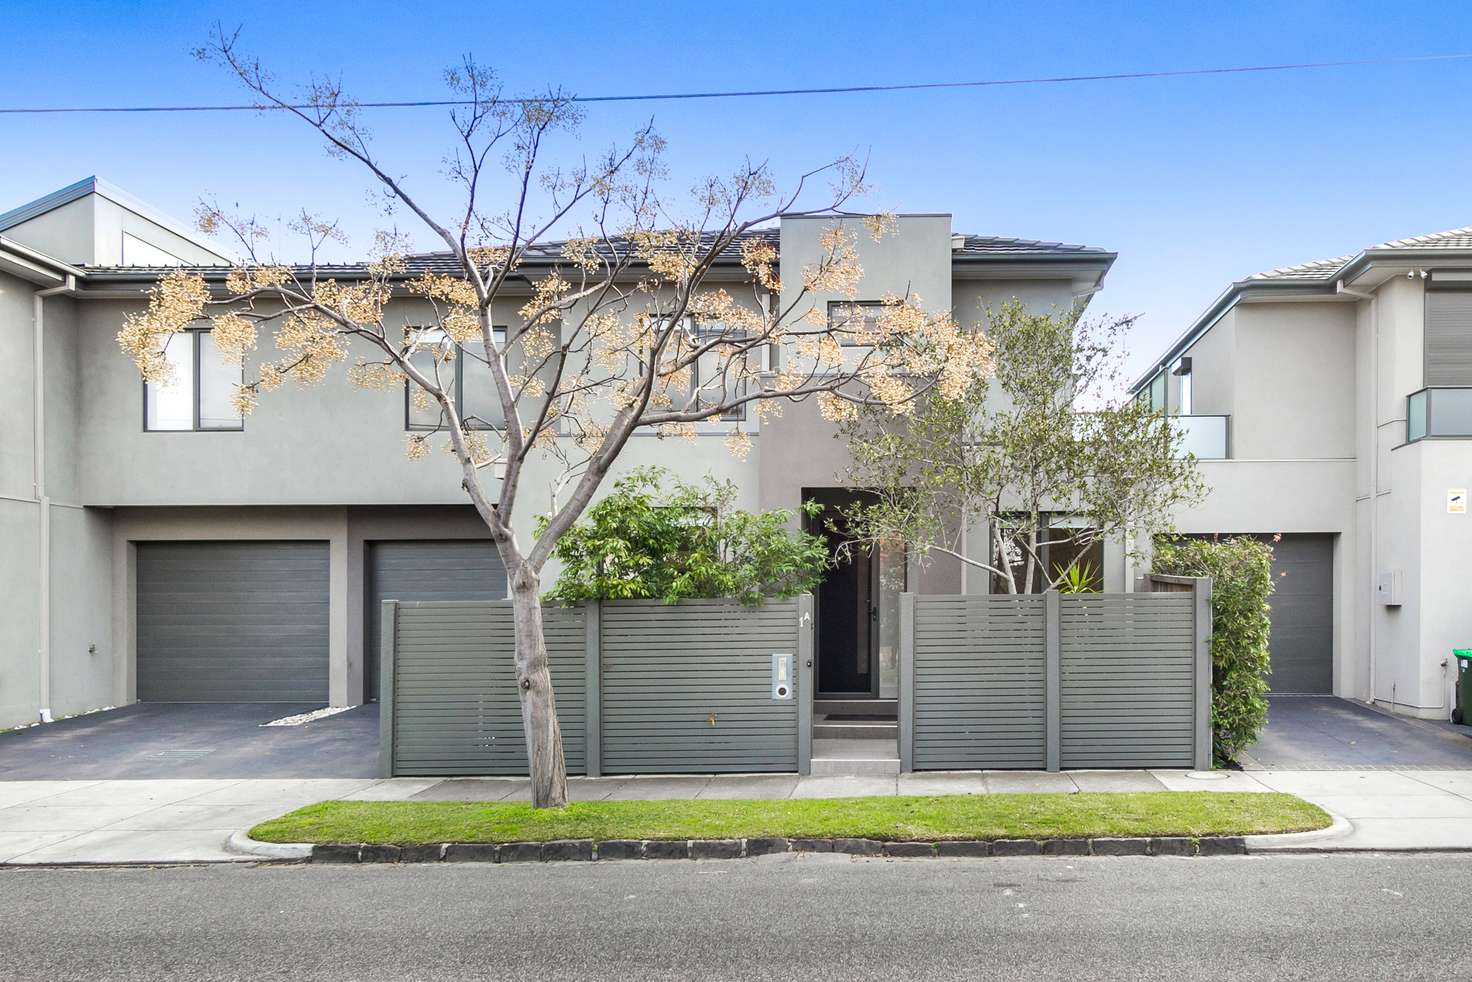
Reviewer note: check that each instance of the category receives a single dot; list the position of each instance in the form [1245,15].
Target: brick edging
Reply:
[587,850]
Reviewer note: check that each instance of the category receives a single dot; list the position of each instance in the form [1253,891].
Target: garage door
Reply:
[421,569]
[232,622]
[1302,642]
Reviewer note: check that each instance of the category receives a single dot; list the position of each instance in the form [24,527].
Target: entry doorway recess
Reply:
[857,606]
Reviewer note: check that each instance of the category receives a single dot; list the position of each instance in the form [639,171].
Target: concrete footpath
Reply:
[189,821]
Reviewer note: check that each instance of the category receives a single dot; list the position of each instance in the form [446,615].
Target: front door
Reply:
[857,606]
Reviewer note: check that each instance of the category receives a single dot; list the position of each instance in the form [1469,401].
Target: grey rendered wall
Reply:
[20,513]
[20,530]
[83,656]
[453,706]
[1213,369]
[67,232]
[980,686]
[78,580]
[687,687]
[1295,396]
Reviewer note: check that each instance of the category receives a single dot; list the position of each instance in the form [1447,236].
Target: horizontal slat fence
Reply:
[1128,680]
[979,687]
[687,687]
[1057,681]
[450,697]
[642,687]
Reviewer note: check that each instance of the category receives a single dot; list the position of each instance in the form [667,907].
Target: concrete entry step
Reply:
[888,708]
[831,767]
[865,758]
[855,729]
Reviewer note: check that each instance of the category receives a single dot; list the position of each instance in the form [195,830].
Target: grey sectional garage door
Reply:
[232,622]
[419,569]
[1302,641]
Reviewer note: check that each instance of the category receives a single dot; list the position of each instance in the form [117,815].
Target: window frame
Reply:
[863,304]
[736,415]
[196,336]
[459,386]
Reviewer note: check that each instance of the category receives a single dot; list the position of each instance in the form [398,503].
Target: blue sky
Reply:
[1194,182]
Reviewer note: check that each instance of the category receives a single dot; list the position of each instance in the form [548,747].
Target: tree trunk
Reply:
[545,761]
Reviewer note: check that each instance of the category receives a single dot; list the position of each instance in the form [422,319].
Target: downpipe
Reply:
[1374,496]
[43,499]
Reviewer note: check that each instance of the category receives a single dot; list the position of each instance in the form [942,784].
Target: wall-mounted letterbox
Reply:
[782,682]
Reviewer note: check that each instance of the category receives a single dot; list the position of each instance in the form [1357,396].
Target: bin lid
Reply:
[1462,653]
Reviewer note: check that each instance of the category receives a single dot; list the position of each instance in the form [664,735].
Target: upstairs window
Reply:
[469,381]
[1448,336]
[1157,392]
[713,378]
[1182,372]
[854,318]
[201,395]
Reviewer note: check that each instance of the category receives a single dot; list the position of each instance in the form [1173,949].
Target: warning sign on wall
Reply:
[1456,501]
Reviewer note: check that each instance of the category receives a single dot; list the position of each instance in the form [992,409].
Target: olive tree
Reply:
[1042,451]
[616,328]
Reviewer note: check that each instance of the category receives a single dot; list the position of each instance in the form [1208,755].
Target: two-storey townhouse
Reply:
[160,548]
[1330,403]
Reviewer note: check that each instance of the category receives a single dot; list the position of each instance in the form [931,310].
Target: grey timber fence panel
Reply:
[687,687]
[980,694]
[1129,678]
[456,708]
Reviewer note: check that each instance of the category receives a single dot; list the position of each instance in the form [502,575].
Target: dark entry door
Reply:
[846,606]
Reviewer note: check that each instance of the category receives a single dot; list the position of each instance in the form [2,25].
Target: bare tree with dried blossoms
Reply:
[614,328]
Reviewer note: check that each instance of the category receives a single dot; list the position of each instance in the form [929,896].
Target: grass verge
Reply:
[994,816]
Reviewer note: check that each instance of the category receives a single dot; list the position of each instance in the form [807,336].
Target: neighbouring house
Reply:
[1330,404]
[160,548]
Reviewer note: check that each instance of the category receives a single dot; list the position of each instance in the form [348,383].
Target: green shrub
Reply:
[652,538]
[1242,580]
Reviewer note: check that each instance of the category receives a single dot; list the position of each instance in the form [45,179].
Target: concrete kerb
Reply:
[584,850]
[281,852]
[1318,840]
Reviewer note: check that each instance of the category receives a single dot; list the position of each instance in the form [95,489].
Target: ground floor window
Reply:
[1064,543]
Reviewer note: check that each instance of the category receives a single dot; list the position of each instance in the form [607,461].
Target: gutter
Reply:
[38,486]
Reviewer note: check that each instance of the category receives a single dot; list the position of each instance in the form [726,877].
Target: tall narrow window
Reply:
[1182,372]
[716,377]
[201,395]
[1158,392]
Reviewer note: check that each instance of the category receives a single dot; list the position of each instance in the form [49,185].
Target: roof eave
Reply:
[1248,290]
[33,266]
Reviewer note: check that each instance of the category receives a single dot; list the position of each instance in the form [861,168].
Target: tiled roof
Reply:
[433,262]
[1001,245]
[1323,270]
[1319,269]
[977,247]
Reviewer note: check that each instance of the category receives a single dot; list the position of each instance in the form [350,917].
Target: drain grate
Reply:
[181,754]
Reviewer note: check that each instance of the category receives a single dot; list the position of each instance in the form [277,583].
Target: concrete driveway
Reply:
[174,741]
[1325,733]
[141,821]
[158,782]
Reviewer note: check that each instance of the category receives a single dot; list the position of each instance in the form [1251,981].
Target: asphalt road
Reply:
[787,917]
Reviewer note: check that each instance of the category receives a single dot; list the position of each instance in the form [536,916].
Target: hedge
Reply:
[1242,581]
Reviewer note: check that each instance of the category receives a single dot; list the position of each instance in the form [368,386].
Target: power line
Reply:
[757,93]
